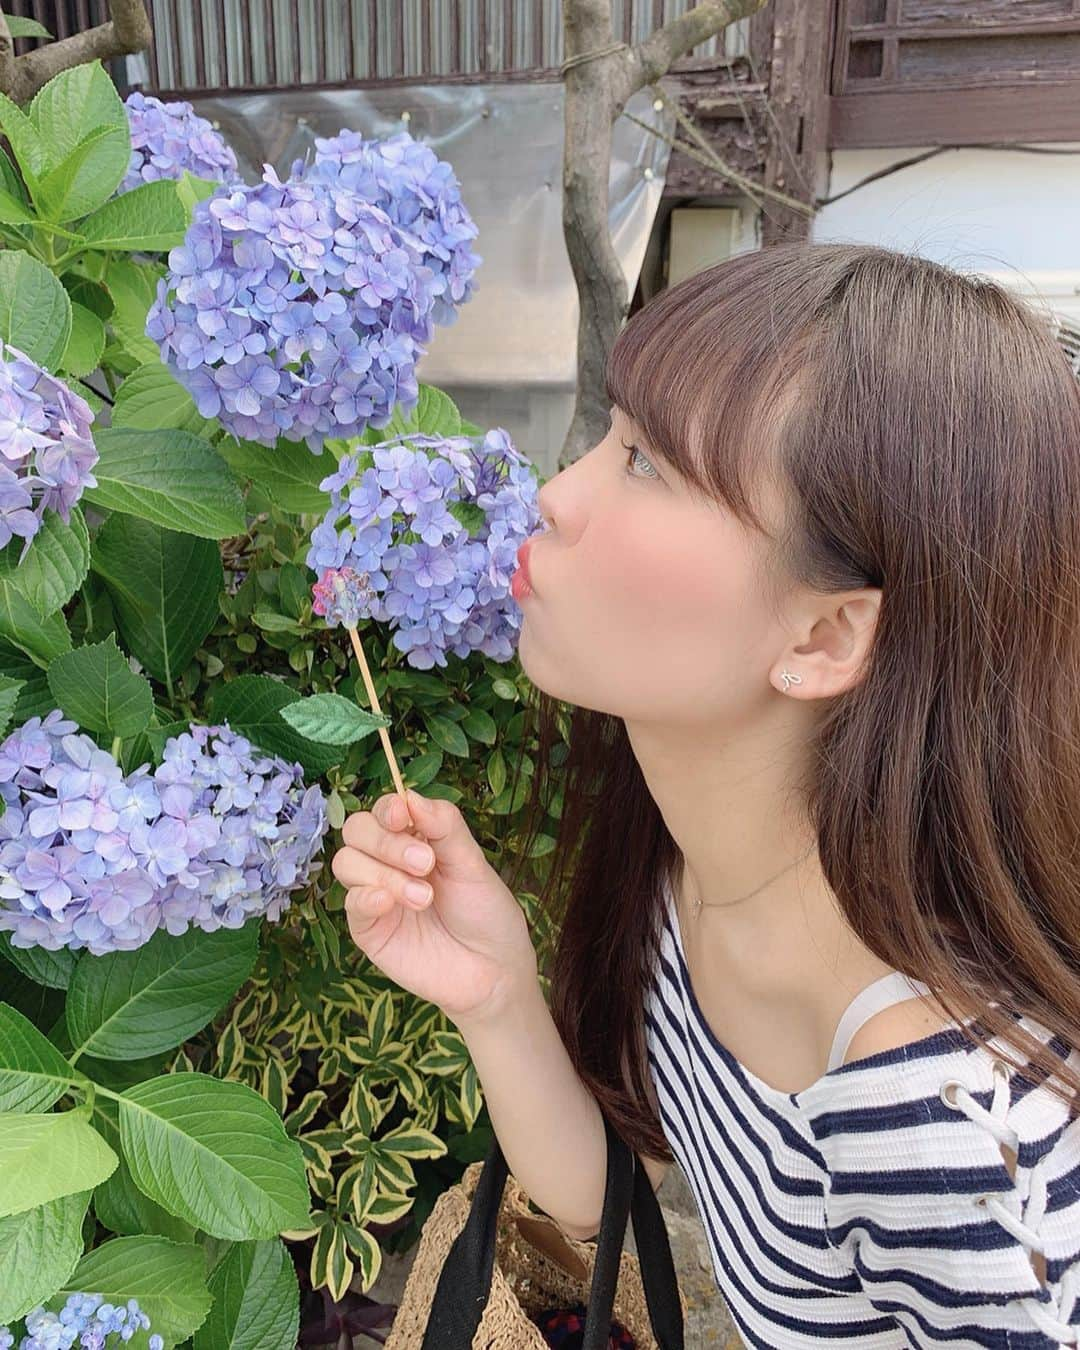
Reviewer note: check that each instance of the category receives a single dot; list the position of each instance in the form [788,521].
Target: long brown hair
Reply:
[930,446]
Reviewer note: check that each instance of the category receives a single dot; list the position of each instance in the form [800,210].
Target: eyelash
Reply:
[629,460]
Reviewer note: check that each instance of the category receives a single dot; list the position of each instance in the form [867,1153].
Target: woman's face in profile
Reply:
[647,599]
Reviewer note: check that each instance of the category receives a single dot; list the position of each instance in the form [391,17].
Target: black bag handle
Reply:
[465,1281]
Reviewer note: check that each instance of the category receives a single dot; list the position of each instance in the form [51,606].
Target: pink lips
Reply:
[521,581]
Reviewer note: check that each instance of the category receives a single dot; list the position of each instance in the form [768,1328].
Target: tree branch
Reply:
[599,77]
[127,31]
[660,50]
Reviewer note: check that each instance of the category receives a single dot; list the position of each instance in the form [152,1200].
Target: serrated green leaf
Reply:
[82,122]
[33,1073]
[256,1300]
[28,28]
[167,1278]
[168,477]
[164,587]
[35,311]
[41,639]
[51,969]
[251,705]
[214,1153]
[76,184]
[44,1157]
[434,414]
[38,1251]
[331,719]
[26,141]
[289,473]
[55,564]
[129,1004]
[96,687]
[132,286]
[150,218]
[151,398]
[86,343]
[9,697]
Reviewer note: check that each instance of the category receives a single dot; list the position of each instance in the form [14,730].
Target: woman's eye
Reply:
[633,450]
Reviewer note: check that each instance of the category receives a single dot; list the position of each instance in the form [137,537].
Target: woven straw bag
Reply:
[485,1263]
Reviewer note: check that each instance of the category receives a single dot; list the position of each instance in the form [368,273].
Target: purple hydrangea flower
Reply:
[46,451]
[392,517]
[92,858]
[295,310]
[167,138]
[419,192]
[85,1320]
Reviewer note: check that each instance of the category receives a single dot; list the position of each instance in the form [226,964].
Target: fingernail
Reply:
[419,857]
[418,891]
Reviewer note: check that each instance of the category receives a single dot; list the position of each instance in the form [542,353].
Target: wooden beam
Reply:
[795,161]
[1035,111]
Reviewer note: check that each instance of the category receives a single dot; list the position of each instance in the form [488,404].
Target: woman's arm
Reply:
[548,1123]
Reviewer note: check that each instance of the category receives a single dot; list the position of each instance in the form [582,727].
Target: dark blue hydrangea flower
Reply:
[46,451]
[394,516]
[92,858]
[419,192]
[295,310]
[167,138]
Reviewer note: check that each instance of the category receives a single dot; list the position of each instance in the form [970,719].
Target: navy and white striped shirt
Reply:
[873,1209]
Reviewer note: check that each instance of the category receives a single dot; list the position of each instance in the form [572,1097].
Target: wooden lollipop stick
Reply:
[395,772]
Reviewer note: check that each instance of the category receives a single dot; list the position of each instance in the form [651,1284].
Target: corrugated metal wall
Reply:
[216,44]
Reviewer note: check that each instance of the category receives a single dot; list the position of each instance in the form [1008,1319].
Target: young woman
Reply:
[815,600]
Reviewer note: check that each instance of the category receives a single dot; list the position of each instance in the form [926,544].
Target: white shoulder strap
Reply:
[889,989]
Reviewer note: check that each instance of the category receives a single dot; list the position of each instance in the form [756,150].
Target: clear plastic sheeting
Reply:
[510,358]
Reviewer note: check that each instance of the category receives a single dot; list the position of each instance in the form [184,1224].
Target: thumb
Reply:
[457,854]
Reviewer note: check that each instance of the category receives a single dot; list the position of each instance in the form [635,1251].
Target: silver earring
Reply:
[789,679]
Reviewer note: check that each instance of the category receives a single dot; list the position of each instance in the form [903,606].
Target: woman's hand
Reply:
[466,947]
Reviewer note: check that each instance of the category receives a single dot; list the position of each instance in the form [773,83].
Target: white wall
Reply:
[1007,213]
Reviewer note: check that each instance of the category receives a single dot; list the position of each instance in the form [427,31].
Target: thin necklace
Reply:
[700,904]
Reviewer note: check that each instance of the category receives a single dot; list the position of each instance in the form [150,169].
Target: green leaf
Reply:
[251,704]
[86,343]
[9,697]
[27,28]
[82,122]
[446,734]
[150,218]
[331,719]
[289,473]
[35,312]
[96,687]
[52,969]
[256,1300]
[29,146]
[130,1004]
[167,1278]
[480,725]
[43,1157]
[75,186]
[122,1208]
[41,639]
[38,1251]
[133,286]
[169,477]
[164,587]
[33,1073]
[151,398]
[435,414]
[55,565]
[35,697]
[214,1153]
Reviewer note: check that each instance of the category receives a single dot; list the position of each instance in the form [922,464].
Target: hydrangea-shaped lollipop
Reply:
[419,192]
[421,534]
[92,858]
[46,451]
[167,138]
[294,310]
[86,1321]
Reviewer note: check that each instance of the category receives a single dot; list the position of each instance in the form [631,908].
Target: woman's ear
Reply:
[840,634]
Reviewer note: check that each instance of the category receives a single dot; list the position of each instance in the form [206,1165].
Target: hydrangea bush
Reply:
[214,455]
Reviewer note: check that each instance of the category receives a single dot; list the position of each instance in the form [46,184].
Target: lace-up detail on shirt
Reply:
[1019,1214]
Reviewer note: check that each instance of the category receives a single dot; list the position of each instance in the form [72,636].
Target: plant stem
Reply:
[117,741]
